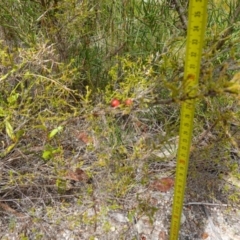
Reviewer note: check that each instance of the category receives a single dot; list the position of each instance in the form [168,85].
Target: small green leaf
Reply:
[9,130]
[8,150]
[2,112]
[55,131]
[47,154]
[13,98]
[61,185]
[19,134]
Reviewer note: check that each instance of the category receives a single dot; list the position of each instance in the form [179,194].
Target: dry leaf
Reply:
[143,127]
[162,236]
[82,136]
[96,114]
[143,237]
[163,184]
[205,235]
[10,210]
[78,175]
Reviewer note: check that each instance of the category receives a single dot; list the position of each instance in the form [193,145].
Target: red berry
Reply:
[128,102]
[115,102]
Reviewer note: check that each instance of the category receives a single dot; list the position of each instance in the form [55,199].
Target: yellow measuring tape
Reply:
[197,18]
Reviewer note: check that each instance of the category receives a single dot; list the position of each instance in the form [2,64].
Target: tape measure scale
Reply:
[197,18]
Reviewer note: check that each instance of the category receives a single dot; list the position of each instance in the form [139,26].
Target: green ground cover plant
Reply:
[65,149]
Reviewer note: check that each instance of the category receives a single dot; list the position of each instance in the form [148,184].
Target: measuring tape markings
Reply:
[197,23]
